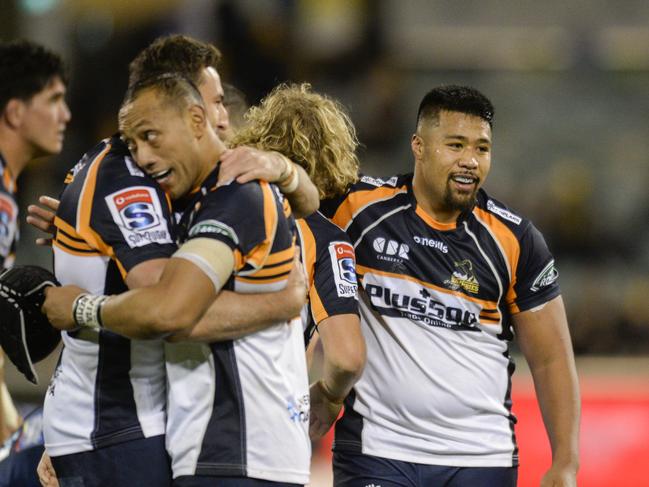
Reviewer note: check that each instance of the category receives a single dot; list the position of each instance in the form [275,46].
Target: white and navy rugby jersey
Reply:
[106,388]
[329,262]
[241,407]
[8,217]
[436,302]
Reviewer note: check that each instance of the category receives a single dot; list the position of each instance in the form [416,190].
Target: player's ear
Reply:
[14,112]
[198,119]
[417,146]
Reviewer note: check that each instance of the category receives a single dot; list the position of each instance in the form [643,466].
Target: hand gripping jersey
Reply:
[8,217]
[436,302]
[329,262]
[240,408]
[106,389]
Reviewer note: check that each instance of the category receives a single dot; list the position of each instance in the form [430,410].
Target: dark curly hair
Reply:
[26,68]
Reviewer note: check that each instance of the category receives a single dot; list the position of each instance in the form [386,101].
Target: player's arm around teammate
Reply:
[232,315]
[545,341]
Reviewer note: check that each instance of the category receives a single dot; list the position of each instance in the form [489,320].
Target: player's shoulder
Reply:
[323,229]
[244,196]
[500,212]
[109,162]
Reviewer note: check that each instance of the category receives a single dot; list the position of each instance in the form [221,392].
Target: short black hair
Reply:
[174,53]
[173,88]
[26,68]
[453,98]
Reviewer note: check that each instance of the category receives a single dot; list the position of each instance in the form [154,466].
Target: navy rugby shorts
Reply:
[205,481]
[135,463]
[359,470]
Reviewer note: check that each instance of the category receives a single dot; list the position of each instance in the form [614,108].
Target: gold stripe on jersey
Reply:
[257,257]
[65,241]
[308,260]
[431,222]
[489,305]
[8,182]
[287,208]
[308,249]
[280,257]
[509,246]
[84,211]
[68,240]
[273,270]
[359,200]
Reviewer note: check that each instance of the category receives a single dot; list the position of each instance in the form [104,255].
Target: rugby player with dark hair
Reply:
[114,231]
[33,119]
[448,277]
[238,409]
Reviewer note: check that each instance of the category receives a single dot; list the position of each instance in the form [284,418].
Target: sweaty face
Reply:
[45,118]
[161,140]
[452,160]
[212,93]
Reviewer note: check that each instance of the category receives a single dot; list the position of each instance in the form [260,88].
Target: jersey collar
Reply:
[8,182]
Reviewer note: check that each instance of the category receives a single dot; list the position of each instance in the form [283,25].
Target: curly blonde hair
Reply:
[311,129]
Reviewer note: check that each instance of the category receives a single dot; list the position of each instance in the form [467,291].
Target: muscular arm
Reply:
[545,341]
[174,303]
[344,360]
[246,164]
[234,315]
[344,353]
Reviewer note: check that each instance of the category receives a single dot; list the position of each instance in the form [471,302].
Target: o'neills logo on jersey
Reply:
[463,278]
[432,243]
[423,307]
[390,250]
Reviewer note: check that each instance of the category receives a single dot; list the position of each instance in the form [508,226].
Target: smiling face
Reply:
[452,159]
[44,118]
[164,138]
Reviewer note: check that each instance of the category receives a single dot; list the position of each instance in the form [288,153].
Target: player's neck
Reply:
[15,153]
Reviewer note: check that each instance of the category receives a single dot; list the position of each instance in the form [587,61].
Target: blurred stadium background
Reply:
[570,82]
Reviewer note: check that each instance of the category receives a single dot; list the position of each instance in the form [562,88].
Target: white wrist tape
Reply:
[290,183]
[86,310]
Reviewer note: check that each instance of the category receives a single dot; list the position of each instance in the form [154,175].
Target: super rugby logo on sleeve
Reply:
[138,214]
[344,269]
[8,215]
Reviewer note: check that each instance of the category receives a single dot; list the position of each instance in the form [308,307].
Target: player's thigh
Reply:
[359,470]
[129,464]
[485,477]
[204,481]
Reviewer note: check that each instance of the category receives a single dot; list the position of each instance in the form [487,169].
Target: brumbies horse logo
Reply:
[463,278]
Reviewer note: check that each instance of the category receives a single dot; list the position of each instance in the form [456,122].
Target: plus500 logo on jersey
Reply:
[138,214]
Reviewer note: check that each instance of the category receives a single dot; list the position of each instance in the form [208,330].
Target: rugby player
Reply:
[33,118]
[238,410]
[449,276]
[115,218]
[314,130]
